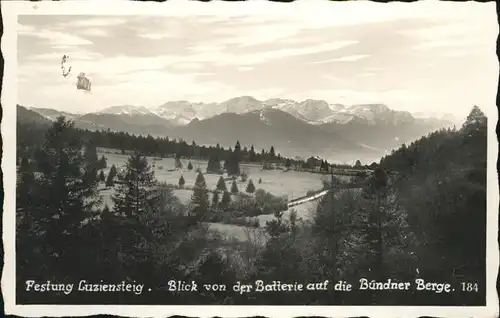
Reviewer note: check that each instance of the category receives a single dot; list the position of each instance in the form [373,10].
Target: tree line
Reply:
[178,148]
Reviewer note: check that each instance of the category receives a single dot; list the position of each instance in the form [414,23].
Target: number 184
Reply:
[470,287]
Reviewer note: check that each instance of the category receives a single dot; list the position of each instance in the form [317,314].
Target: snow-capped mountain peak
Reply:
[183,112]
[368,109]
[380,113]
[341,118]
[126,110]
[314,104]
[243,104]
[337,107]
[179,112]
[313,111]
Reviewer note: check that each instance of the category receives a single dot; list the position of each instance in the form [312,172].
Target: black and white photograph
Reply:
[331,156]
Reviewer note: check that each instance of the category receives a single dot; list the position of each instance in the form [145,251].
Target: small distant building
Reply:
[314,163]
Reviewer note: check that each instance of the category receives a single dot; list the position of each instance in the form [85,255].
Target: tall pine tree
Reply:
[92,163]
[232,164]
[221,184]
[138,191]
[182,182]
[199,198]
[28,261]
[250,187]
[252,157]
[386,230]
[102,178]
[111,176]
[103,164]
[213,165]
[234,187]
[336,226]
[215,200]
[272,153]
[67,197]
[226,200]
[26,184]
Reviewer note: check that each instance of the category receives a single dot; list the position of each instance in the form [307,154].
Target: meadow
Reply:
[289,184]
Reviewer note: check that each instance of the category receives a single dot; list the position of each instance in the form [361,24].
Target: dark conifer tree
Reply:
[250,187]
[66,196]
[232,164]
[386,231]
[102,163]
[91,163]
[27,234]
[234,187]
[226,200]
[237,148]
[102,178]
[221,184]
[139,188]
[182,182]
[199,198]
[252,155]
[26,184]
[113,170]
[336,226]
[272,154]
[215,200]
[90,154]
[111,176]
[213,165]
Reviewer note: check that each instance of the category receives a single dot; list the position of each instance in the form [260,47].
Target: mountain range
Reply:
[334,131]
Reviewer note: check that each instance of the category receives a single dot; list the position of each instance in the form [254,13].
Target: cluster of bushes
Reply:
[260,204]
[268,166]
[246,206]
[227,218]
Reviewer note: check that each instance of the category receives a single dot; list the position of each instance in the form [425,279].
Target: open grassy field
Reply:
[305,212]
[291,184]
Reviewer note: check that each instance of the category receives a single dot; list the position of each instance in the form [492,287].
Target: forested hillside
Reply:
[443,187]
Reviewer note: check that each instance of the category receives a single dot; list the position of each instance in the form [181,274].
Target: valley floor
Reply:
[289,184]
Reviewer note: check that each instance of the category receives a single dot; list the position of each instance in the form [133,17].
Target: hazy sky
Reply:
[423,56]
